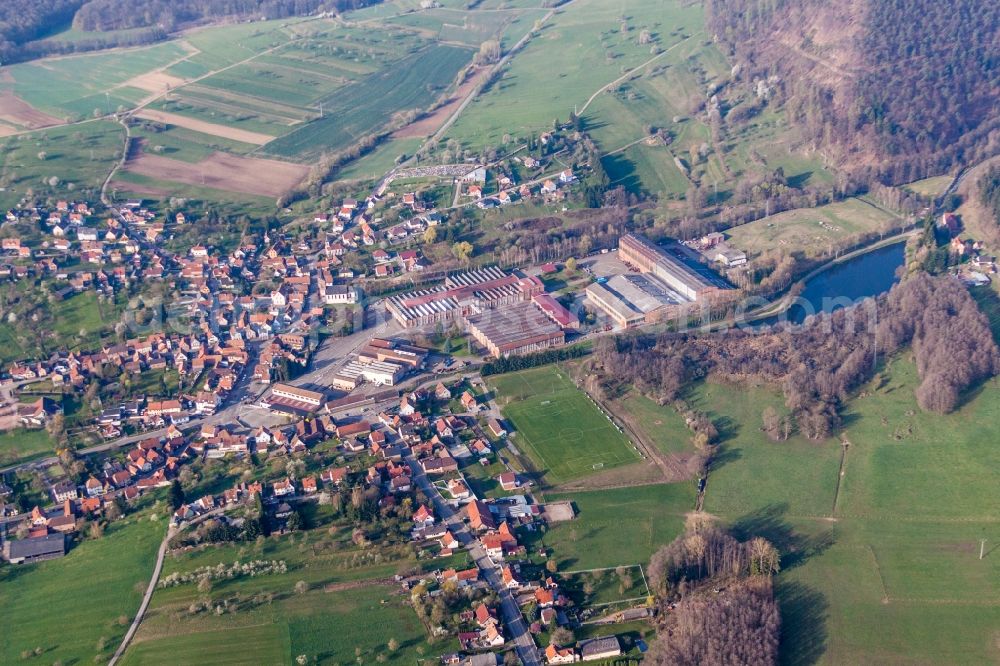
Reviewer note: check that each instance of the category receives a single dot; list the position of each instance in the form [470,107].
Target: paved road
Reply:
[145,598]
[524,644]
[172,530]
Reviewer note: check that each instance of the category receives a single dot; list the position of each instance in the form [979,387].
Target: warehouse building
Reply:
[556,312]
[518,329]
[288,399]
[617,309]
[644,256]
[377,372]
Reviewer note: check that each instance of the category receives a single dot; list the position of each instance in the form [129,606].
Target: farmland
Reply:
[59,160]
[412,84]
[896,547]
[561,430]
[223,172]
[348,606]
[318,84]
[100,576]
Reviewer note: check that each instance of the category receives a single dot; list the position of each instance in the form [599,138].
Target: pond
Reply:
[847,283]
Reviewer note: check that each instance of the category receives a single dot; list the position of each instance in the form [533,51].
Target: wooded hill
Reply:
[896,90]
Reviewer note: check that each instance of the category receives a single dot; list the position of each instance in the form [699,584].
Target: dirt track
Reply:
[256,138]
[430,123]
[223,171]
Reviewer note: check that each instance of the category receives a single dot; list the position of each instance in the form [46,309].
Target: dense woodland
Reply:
[725,610]
[914,84]
[22,21]
[818,364]
[25,25]
[168,14]
[989,193]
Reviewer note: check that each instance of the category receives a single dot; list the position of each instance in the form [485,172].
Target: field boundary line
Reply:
[878,572]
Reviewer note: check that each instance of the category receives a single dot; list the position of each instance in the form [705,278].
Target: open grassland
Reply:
[661,425]
[558,426]
[378,162]
[811,229]
[349,605]
[620,526]
[361,108]
[21,444]
[184,144]
[580,50]
[67,606]
[886,569]
[78,158]
[931,187]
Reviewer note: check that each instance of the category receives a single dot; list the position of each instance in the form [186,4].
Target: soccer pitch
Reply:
[562,431]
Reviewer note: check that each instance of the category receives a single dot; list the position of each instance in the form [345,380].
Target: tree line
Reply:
[817,365]
[526,361]
[989,193]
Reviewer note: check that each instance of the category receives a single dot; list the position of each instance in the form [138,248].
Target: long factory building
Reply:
[462,294]
[644,256]
[664,285]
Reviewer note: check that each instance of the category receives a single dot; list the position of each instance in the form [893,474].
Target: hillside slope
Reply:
[895,89]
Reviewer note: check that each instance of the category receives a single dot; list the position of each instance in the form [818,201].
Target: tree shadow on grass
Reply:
[803,623]
[769,522]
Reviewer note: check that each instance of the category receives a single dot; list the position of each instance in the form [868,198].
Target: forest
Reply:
[914,84]
[817,365]
[22,21]
[168,14]
[25,25]
[989,193]
[719,597]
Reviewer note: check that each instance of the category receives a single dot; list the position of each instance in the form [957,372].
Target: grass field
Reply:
[94,584]
[362,612]
[810,229]
[661,425]
[608,585]
[558,426]
[581,49]
[21,444]
[930,187]
[621,526]
[886,570]
[74,87]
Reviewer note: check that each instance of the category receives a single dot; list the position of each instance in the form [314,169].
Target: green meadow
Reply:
[351,608]
[580,50]
[71,608]
[881,557]
[620,526]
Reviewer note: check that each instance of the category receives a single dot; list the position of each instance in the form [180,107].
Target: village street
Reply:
[527,652]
